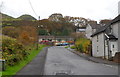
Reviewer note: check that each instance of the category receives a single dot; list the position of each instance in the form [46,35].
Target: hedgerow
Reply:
[13,51]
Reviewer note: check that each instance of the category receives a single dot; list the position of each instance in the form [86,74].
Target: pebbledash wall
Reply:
[119,27]
[119,36]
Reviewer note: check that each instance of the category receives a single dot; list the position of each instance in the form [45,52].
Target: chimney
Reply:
[118,7]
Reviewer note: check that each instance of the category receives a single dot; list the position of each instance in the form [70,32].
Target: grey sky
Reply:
[93,9]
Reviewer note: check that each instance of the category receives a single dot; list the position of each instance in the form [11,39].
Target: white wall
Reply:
[118,7]
[115,49]
[119,36]
[115,29]
[106,49]
[99,45]
[88,31]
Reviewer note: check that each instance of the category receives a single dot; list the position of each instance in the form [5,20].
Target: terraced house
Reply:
[105,42]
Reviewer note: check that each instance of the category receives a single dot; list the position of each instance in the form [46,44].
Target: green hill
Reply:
[26,17]
[6,17]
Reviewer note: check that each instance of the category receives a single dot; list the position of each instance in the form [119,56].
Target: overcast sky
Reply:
[93,9]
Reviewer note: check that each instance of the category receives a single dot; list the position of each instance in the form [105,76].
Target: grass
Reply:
[12,70]
[73,47]
[66,47]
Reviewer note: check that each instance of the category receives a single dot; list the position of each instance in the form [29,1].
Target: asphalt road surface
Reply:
[60,61]
[36,66]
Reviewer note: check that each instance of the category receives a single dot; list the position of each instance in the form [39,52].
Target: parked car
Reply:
[64,44]
[57,44]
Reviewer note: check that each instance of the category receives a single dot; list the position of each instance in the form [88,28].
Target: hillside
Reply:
[26,17]
[6,17]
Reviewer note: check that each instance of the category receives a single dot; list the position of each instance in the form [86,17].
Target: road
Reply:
[61,61]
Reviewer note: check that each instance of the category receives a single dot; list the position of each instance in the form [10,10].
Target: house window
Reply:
[111,30]
[97,49]
[113,46]
[97,38]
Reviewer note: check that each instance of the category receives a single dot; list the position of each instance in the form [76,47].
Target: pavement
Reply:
[94,59]
[36,66]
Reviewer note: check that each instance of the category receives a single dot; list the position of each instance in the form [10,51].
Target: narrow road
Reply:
[61,61]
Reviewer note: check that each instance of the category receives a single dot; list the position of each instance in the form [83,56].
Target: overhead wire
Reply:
[32,8]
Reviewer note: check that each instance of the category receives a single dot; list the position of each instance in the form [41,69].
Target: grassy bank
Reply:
[12,70]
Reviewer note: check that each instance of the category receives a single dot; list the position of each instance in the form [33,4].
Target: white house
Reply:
[105,40]
[118,7]
[80,30]
[119,28]
[90,29]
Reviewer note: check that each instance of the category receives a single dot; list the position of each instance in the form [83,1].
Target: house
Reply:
[55,38]
[80,30]
[105,39]
[90,29]
[119,7]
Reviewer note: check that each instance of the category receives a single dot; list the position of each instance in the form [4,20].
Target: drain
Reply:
[63,72]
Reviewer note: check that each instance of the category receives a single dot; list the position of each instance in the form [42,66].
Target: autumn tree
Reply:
[28,35]
[78,35]
[59,28]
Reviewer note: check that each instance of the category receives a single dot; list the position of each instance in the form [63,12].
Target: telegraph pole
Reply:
[38,32]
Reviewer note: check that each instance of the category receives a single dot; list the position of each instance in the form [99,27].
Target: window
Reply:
[97,49]
[113,46]
[111,29]
[97,38]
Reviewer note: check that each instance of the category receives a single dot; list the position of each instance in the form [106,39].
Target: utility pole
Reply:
[38,32]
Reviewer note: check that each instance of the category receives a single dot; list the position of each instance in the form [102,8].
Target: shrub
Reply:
[10,31]
[13,51]
[66,47]
[82,45]
[72,47]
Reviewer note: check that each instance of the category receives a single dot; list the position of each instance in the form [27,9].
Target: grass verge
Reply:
[66,47]
[12,70]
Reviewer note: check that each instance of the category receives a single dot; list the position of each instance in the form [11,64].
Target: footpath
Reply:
[94,59]
[36,66]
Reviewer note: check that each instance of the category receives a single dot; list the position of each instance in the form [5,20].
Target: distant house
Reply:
[105,40]
[90,29]
[80,30]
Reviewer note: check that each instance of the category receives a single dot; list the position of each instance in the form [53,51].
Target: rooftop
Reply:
[103,28]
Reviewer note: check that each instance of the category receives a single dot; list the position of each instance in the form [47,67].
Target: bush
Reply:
[10,31]
[13,51]
[66,47]
[73,47]
[82,45]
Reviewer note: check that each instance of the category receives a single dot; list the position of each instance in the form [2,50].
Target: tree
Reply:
[43,32]
[59,28]
[78,35]
[28,35]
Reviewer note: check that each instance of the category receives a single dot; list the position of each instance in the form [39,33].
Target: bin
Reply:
[2,65]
